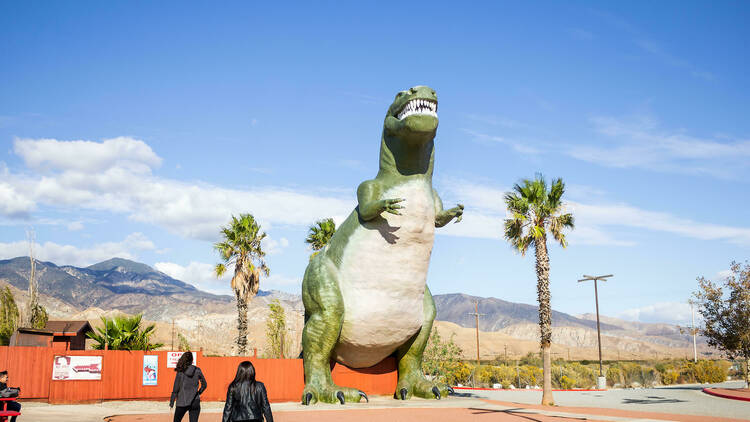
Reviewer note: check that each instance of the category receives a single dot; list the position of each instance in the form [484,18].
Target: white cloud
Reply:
[629,216]
[201,275]
[87,156]
[80,257]
[75,226]
[485,211]
[272,246]
[13,204]
[666,312]
[640,143]
[118,179]
[518,146]
[724,274]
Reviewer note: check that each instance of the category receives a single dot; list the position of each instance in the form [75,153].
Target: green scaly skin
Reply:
[406,155]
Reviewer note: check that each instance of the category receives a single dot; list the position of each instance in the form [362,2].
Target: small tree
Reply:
[726,313]
[36,316]
[276,330]
[124,333]
[441,357]
[8,316]
[183,346]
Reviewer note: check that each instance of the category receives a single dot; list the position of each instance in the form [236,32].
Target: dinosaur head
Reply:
[413,115]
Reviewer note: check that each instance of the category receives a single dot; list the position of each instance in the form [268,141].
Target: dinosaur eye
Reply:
[400,94]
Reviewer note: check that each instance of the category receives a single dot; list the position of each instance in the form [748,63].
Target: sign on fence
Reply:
[150,369]
[173,357]
[74,368]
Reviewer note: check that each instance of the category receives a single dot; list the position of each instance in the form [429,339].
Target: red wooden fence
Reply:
[122,374]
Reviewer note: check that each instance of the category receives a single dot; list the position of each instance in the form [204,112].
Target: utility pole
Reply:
[601,383]
[692,330]
[172,334]
[476,318]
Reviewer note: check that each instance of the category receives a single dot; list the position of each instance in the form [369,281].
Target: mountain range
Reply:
[121,285]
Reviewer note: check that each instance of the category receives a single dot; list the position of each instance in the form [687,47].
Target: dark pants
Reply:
[16,407]
[194,411]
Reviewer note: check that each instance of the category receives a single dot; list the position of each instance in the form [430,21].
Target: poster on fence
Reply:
[76,368]
[173,357]
[150,369]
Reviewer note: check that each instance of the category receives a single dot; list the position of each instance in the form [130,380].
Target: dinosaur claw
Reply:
[307,399]
[364,396]
[451,390]
[340,396]
[403,393]
[436,392]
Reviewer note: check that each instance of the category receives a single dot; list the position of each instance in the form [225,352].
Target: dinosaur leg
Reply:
[411,379]
[324,315]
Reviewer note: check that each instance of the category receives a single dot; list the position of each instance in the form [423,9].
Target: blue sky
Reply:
[136,130]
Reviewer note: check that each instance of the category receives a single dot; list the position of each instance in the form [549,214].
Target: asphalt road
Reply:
[679,399]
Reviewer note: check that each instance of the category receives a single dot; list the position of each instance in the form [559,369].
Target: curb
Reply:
[724,396]
[525,389]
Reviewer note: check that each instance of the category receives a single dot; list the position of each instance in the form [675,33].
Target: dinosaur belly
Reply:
[382,278]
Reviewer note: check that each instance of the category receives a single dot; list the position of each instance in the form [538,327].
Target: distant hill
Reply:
[117,283]
[209,320]
[499,314]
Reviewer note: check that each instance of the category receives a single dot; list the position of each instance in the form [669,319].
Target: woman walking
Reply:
[185,390]
[246,398]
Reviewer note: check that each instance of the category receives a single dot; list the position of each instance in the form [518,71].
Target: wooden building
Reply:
[59,335]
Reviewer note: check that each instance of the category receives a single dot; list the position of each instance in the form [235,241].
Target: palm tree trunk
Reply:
[241,326]
[545,317]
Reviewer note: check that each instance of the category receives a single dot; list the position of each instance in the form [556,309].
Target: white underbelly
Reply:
[382,278]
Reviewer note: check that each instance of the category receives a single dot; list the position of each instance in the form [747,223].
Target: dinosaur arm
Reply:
[443,217]
[369,203]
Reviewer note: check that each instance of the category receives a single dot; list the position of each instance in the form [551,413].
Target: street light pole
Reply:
[601,382]
[692,329]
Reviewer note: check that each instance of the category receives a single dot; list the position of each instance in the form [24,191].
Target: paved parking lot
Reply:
[682,399]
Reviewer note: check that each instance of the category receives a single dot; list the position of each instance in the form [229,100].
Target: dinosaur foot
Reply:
[331,394]
[421,388]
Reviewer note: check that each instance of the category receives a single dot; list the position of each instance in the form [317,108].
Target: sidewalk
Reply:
[379,409]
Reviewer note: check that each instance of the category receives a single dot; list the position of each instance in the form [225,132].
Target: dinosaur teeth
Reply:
[418,106]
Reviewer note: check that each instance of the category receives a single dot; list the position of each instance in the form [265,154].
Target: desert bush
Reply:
[669,376]
[615,376]
[709,371]
[567,383]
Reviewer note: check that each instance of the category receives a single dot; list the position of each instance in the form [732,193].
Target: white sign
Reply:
[173,357]
[74,368]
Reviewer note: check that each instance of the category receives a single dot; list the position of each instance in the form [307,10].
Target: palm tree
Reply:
[535,211]
[241,249]
[124,333]
[320,234]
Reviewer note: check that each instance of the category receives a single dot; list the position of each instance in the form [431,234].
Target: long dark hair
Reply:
[185,360]
[244,380]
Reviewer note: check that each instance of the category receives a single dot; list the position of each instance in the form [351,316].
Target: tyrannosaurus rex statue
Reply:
[365,294]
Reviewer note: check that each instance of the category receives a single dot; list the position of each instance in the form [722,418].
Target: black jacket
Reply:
[185,388]
[250,407]
[6,391]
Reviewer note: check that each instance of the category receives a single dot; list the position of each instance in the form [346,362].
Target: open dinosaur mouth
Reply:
[418,106]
